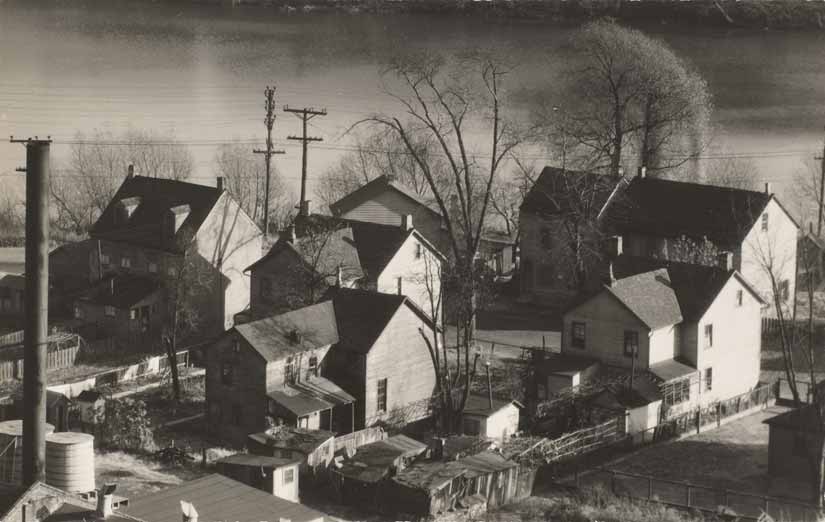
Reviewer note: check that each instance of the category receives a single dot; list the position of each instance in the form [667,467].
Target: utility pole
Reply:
[269,121]
[35,333]
[821,190]
[304,115]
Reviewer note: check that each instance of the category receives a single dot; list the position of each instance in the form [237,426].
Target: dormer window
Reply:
[125,208]
[179,213]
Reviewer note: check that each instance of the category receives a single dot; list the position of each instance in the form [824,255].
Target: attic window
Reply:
[765,221]
[294,336]
[130,205]
[418,250]
[180,213]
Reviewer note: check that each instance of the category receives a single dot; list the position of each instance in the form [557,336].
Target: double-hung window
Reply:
[577,337]
[631,343]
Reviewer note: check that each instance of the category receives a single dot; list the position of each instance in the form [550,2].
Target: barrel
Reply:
[70,461]
[11,450]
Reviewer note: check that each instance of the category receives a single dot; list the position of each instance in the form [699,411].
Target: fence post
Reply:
[543,344]
[688,495]
[698,420]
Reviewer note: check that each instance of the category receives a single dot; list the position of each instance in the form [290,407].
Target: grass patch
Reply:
[137,475]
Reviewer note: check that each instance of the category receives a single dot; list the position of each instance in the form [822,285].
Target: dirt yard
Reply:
[136,476]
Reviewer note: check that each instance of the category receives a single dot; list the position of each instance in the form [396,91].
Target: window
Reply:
[784,290]
[739,297]
[78,312]
[400,286]
[289,476]
[546,238]
[125,262]
[677,392]
[472,427]
[708,379]
[153,268]
[236,346]
[418,250]
[708,336]
[631,343]
[289,371]
[313,366]
[382,395]
[171,271]
[285,453]
[104,259]
[577,339]
[227,374]
[765,221]
[109,311]
[303,422]
[133,314]
[266,287]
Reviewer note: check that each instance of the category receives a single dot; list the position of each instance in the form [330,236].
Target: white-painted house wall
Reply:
[776,248]
[280,488]
[737,343]
[501,425]
[420,276]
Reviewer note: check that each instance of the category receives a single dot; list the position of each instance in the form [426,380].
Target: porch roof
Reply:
[671,370]
[299,402]
[325,390]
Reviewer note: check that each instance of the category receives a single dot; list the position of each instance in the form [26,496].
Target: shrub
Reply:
[126,426]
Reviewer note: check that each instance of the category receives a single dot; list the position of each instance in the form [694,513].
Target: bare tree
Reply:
[732,172]
[632,99]
[11,219]
[97,165]
[507,195]
[245,179]
[450,103]
[694,251]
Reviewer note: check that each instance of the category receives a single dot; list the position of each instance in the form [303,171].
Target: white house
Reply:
[489,417]
[695,329]
[653,217]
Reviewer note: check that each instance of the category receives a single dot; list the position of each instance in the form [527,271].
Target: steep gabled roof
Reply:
[377,244]
[559,192]
[374,187]
[216,497]
[480,405]
[650,297]
[273,337]
[363,315]
[157,196]
[675,208]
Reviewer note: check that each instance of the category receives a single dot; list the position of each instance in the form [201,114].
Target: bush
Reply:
[126,426]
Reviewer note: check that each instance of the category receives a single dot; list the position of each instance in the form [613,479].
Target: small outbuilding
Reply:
[275,475]
[425,489]
[314,448]
[92,406]
[793,439]
[558,372]
[489,417]
[491,476]
[640,406]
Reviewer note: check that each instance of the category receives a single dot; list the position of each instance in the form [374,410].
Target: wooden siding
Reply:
[419,277]
[605,320]
[400,356]
[288,289]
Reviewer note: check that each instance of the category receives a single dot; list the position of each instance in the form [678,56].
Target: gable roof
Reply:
[272,337]
[675,208]
[145,227]
[559,191]
[363,315]
[216,497]
[377,244]
[650,297]
[374,187]
[480,405]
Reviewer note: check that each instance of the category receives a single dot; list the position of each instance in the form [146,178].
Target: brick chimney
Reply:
[768,188]
[105,499]
[219,184]
[642,172]
[130,171]
[303,209]
[726,261]
[289,233]
[614,247]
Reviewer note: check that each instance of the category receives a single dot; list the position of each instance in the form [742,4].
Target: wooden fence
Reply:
[580,442]
[62,353]
[685,495]
[356,439]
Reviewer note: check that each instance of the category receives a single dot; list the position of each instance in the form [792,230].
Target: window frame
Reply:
[227,373]
[765,222]
[576,341]
[630,334]
[381,395]
[125,262]
[109,311]
[289,370]
[546,238]
[708,336]
[709,378]
[419,250]
[785,290]
[312,365]
[288,476]
[740,297]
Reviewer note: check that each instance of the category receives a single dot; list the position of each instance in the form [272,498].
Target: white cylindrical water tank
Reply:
[70,461]
[11,450]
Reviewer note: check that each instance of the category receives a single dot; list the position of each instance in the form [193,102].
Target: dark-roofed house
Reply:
[43,503]
[122,305]
[275,367]
[318,252]
[215,498]
[387,201]
[275,475]
[490,417]
[653,217]
[151,227]
[696,329]
[381,358]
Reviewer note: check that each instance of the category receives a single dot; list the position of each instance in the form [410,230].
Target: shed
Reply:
[640,406]
[275,475]
[92,405]
[492,476]
[562,371]
[490,417]
[793,437]
[315,448]
[57,408]
[426,488]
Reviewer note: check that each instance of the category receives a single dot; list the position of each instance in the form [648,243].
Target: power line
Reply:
[269,121]
[304,115]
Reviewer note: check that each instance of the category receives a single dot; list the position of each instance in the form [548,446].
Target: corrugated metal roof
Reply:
[486,462]
[430,476]
[325,389]
[265,461]
[274,338]
[298,402]
[216,497]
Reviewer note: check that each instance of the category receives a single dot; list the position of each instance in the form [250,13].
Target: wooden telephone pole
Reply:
[269,121]
[304,115]
[821,190]
[35,333]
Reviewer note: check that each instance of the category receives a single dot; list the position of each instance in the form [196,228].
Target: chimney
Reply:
[104,501]
[614,247]
[130,171]
[768,188]
[220,184]
[290,233]
[304,208]
[407,222]
[188,512]
[339,277]
[726,261]
[642,172]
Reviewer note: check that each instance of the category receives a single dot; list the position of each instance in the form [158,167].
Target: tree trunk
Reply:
[173,366]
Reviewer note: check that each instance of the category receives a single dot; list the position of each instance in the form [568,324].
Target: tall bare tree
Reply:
[459,105]
[97,165]
[631,99]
